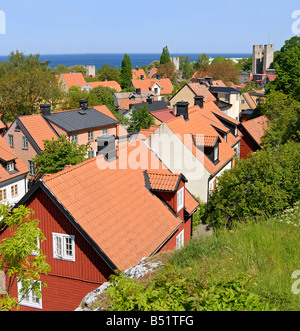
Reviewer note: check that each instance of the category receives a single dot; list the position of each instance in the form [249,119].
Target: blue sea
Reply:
[98,60]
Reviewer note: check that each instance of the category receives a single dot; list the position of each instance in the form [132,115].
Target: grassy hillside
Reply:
[247,268]
[266,250]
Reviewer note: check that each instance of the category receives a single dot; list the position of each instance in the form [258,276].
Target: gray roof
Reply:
[77,120]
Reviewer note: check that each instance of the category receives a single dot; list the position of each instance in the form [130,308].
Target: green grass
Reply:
[268,251]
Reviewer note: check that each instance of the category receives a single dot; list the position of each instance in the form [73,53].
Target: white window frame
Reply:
[25,143]
[10,166]
[11,140]
[30,298]
[75,138]
[105,131]
[14,190]
[3,195]
[62,254]
[216,153]
[180,199]
[31,166]
[91,135]
[180,240]
[90,155]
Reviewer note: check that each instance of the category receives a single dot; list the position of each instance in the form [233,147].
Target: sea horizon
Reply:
[115,59]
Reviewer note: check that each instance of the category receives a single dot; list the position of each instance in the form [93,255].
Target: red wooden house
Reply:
[98,220]
[252,131]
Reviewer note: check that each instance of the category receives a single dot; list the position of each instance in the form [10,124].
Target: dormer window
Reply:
[10,166]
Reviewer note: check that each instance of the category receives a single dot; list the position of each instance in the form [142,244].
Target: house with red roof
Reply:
[252,131]
[27,134]
[160,87]
[200,142]
[13,175]
[71,79]
[111,84]
[91,231]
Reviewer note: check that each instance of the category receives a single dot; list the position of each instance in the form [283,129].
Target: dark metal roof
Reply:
[154,106]
[223,89]
[77,120]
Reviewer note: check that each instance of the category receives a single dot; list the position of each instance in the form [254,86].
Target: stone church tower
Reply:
[262,58]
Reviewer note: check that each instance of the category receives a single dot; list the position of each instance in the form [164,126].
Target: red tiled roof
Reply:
[38,128]
[137,73]
[200,89]
[127,227]
[75,79]
[163,180]
[111,84]
[147,84]
[7,154]
[202,122]
[163,115]
[256,127]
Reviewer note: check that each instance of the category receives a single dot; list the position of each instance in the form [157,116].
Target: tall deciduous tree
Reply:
[287,66]
[140,119]
[126,71]
[17,260]
[165,56]
[59,153]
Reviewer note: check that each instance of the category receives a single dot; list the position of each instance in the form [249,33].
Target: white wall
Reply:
[22,190]
[179,159]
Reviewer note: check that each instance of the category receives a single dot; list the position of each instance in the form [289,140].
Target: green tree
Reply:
[59,153]
[186,67]
[140,119]
[23,91]
[126,72]
[287,66]
[218,59]
[202,62]
[165,56]
[109,73]
[71,100]
[16,254]
[266,183]
[283,113]
[105,96]
[78,68]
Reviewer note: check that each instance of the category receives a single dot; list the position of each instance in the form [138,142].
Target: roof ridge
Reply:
[68,168]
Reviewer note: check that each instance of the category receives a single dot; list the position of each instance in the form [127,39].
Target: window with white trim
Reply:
[216,153]
[75,138]
[3,195]
[10,166]
[24,143]
[63,247]
[180,240]
[29,298]
[180,199]
[14,191]
[91,136]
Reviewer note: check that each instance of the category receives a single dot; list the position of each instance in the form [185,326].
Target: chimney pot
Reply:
[83,104]
[45,109]
[182,109]
[199,100]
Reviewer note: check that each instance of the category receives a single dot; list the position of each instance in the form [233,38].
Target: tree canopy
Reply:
[140,119]
[126,72]
[165,56]
[16,254]
[287,66]
[59,153]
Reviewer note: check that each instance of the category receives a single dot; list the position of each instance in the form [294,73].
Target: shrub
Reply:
[266,183]
[171,290]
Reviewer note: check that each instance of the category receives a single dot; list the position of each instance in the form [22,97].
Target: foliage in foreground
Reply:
[59,153]
[266,183]
[267,250]
[16,254]
[172,290]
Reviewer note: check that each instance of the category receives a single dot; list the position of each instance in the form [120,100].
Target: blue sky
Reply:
[132,26]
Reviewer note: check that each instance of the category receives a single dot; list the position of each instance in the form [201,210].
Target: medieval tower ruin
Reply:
[263,56]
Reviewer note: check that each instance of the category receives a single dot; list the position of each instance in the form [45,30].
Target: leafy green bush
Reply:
[171,290]
[266,183]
